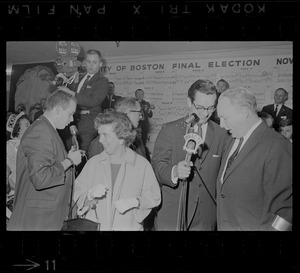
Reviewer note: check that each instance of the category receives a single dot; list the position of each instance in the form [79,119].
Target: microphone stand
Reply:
[183,206]
[75,143]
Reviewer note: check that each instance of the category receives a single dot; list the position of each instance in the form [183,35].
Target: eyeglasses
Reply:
[202,109]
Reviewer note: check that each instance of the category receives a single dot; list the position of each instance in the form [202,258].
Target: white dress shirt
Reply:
[236,143]
[278,109]
[82,81]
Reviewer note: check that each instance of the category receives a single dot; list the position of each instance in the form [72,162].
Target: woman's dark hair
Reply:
[203,86]
[122,125]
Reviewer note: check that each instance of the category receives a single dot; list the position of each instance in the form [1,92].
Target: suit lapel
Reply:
[107,178]
[130,159]
[117,189]
[249,145]
[56,135]
[223,162]
[94,78]
[75,86]
[281,112]
[273,110]
[207,142]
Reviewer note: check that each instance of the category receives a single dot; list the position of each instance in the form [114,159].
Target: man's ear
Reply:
[58,109]
[245,112]
[101,63]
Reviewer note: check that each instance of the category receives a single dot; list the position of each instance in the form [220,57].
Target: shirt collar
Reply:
[50,122]
[91,75]
[250,131]
[279,105]
[203,126]
[130,158]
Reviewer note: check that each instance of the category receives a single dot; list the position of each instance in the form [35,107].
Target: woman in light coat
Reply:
[117,187]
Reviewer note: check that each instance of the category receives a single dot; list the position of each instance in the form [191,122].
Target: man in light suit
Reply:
[170,166]
[278,110]
[90,91]
[44,169]
[254,186]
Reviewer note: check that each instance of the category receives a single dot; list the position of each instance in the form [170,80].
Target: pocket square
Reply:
[88,86]
[216,155]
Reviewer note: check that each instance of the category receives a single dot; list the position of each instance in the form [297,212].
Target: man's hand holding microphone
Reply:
[75,154]
[73,158]
[183,169]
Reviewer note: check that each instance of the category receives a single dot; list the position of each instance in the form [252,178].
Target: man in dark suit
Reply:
[278,110]
[110,99]
[254,185]
[45,173]
[147,113]
[90,91]
[171,168]
[221,86]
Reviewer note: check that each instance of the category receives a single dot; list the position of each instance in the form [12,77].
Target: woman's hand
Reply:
[97,191]
[124,205]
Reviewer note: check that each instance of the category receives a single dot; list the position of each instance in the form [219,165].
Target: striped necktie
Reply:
[200,130]
[233,156]
[110,100]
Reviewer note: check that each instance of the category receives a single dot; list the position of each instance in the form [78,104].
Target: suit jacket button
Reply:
[222,195]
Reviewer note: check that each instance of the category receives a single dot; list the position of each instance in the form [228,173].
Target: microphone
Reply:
[191,118]
[74,132]
[190,146]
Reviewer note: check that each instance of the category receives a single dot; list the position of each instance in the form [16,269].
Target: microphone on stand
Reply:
[74,132]
[183,203]
[191,118]
[190,146]
[191,143]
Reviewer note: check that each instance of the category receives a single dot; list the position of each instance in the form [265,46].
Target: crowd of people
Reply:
[238,177]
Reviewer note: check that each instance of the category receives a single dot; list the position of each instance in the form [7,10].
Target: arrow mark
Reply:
[33,265]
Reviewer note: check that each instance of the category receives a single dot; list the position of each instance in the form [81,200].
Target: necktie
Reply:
[85,83]
[233,156]
[200,134]
[200,130]
[110,99]
[276,108]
